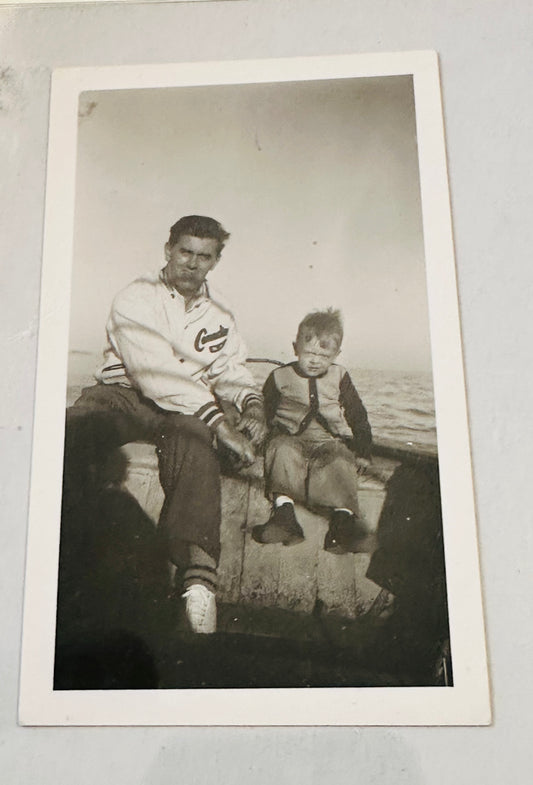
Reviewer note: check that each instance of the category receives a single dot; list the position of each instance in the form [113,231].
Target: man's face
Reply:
[315,355]
[188,262]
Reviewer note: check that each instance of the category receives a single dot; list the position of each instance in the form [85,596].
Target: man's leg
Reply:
[190,518]
[103,418]
[190,477]
[107,416]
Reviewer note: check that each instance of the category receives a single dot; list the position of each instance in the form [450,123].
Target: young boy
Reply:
[319,438]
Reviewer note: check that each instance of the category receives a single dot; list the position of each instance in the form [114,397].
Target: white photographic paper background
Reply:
[467,702]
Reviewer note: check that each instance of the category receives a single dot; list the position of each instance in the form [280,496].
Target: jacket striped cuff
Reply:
[251,398]
[210,413]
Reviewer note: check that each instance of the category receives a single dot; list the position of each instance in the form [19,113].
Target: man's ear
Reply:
[294,347]
[167,252]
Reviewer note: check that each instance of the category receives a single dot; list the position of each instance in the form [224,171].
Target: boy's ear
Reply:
[167,251]
[294,347]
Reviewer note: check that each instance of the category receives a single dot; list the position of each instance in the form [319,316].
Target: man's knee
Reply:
[183,426]
[98,397]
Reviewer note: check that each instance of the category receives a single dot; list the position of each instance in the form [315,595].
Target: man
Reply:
[173,352]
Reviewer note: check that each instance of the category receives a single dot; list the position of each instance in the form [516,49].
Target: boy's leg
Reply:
[285,480]
[332,479]
[333,484]
[286,468]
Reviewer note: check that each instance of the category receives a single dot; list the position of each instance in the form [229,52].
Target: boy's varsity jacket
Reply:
[293,400]
[183,359]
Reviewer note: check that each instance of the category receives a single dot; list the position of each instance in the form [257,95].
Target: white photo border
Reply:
[468,701]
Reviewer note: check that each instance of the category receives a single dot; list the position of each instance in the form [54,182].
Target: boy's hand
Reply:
[236,442]
[253,423]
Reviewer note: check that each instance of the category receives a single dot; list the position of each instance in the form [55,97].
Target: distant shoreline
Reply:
[97,356]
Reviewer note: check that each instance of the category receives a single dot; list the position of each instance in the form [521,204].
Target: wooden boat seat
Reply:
[298,578]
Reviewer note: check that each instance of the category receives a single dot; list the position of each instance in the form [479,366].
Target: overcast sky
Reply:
[316,181]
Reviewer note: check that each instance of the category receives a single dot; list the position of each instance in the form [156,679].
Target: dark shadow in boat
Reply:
[409,564]
[119,624]
[113,581]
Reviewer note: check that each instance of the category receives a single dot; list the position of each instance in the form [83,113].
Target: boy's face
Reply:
[315,354]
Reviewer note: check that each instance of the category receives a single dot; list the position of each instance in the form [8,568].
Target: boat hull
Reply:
[301,578]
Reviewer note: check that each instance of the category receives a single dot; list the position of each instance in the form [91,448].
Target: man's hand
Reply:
[253,423]
[362,465]
[236,442]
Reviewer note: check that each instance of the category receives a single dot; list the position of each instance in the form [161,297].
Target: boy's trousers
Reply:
[316,470]
[108,416]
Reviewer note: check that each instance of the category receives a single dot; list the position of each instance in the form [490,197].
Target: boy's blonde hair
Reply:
[322,324]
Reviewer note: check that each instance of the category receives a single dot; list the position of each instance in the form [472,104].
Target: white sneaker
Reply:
[201,608]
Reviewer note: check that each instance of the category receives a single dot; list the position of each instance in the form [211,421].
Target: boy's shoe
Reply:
[200,608]
[345,534]
[282,526]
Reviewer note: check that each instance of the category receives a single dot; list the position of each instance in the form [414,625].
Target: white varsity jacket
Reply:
[182,359]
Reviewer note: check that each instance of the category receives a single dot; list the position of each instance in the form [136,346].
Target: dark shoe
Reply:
[282,526]
[345,534]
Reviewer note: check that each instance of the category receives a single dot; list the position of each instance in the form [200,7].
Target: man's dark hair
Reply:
[199,226]
[322,324]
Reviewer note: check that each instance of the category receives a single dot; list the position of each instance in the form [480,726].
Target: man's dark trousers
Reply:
[107,416]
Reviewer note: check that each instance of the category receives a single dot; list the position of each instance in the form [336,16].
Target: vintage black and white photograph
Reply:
[251,469]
